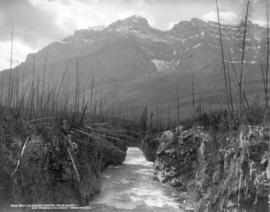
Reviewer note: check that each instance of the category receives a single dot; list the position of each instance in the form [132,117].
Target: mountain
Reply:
[135,64]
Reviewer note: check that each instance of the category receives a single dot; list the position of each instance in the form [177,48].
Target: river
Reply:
[130,187]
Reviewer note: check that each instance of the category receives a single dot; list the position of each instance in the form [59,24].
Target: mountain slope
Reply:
[137,65]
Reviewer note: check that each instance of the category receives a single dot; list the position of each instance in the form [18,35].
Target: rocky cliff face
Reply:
[225,173]
[149,146]
[47,174]
[177,157]
[53,163]
[235,177]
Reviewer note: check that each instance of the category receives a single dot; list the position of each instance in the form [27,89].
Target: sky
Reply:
[40,22]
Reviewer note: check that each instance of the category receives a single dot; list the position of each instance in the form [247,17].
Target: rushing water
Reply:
[130,187]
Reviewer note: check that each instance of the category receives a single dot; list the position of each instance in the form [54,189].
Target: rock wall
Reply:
[47,174]
[59,165]
[149,146]
[227,172]
[235,177]
[177,157]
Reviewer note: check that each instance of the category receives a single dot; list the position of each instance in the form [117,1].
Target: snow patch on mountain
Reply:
[161,65]
[194,36]
[148,36]
[123,29]
[197,46]
[62,42]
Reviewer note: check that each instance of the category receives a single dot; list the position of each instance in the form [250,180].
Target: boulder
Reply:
[110,153]
[47,174]
[149,146]
[176,159]
[119,143]
[166,139]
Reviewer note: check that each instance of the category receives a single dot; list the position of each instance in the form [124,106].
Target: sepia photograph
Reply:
[135,105]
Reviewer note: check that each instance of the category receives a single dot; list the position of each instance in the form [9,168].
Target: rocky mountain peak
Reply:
[132,22]
[137,20]
[188,26]
[197,21]
[130,51]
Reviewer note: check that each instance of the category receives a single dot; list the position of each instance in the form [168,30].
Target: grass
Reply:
[29,108]
[221,120]
[53,114]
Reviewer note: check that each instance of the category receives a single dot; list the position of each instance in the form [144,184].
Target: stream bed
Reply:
[130,187]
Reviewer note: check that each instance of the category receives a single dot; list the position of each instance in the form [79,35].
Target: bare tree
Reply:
[151,121]
[112,109]
[168,116]
[76,107]
[32,106]
[43,82]
[1,89]
[101,104]
[120,110]
[9,96]
[177,105]
[143,119]
[267,54]
[225,75]
[230,91]
[193,91]
[243,49]
[92,92]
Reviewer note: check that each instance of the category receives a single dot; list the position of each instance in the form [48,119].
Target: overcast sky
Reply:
[40,22]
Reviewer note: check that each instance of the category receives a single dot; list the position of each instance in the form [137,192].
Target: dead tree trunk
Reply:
[177,105]
[267,56]
[92,92]
[223,59]
[193,91]
[241,91]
